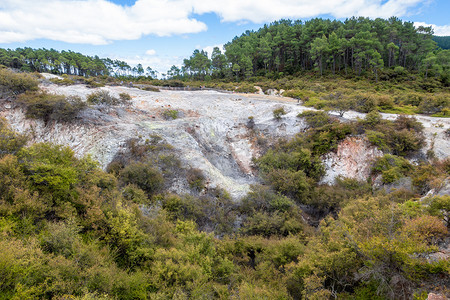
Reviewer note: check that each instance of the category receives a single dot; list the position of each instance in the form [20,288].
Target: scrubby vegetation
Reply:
[105,98]
[71,230]
[12,84]
[48,107]
[170,114]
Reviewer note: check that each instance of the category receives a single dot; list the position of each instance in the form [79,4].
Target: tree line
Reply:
[287,47]
[354,46]
[69,62]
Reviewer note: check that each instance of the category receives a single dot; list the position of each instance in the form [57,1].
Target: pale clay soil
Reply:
[211,133]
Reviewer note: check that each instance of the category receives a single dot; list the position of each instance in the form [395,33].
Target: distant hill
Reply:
[442,41]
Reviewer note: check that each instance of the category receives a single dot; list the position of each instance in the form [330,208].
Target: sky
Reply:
[161,33]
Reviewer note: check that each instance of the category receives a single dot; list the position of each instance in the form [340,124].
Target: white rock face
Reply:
[353,158]
[211,133]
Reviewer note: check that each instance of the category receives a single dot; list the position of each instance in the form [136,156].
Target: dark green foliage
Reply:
[64,62]
[392,168]
[69,231]
[283,48]
[196,179]
[49,107]
[145,176]
[442,41]
[316,118]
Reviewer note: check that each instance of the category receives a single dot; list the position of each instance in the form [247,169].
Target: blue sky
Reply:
[160,33]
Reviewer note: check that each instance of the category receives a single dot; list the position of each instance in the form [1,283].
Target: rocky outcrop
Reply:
[353,158]
[212,132]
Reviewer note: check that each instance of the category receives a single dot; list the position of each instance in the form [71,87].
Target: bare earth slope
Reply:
[211,132]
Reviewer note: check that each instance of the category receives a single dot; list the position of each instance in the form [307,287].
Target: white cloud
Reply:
[269,10]
[438,30]
[150,52]
[94,22]
[101,22]
[209,49]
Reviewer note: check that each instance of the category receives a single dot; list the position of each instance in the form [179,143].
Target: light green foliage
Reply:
[50,168]
[12,83]
[126,238]
[392,168]
[170,114]
[10,141]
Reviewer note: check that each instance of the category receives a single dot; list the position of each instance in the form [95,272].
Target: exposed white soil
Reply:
[211,132]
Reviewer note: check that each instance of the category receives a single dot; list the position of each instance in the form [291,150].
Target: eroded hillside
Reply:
[218,133]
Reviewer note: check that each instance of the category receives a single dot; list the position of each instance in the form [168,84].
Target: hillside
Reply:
[211,194]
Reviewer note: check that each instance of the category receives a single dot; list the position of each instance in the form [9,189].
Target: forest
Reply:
[70,230]
[355,46]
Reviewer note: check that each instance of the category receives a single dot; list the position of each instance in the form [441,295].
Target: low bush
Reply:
[10,140]
[278,113]
[62,81]
[392,168]
[170,114]
[105,98]
[12,83]
[48,107]
[143,175]
[150,88]
[316,118]
[125,97]
[196,179]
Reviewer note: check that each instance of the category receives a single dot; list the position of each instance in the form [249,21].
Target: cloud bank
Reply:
[100,22]
[438,30]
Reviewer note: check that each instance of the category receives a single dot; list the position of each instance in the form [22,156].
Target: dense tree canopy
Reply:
[287,47]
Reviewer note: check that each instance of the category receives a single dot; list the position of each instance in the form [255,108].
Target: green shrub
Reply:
[196,179]
[316,118]
[278,113]
[150,88]
[392,168]
[145,176]
[378,139]
[372,119]
[433,105]
[104,97]
[63,81]
[170,114]
[48,107]
[12,83]
[133,193]
[10,141]
[365,102]
[125,97]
